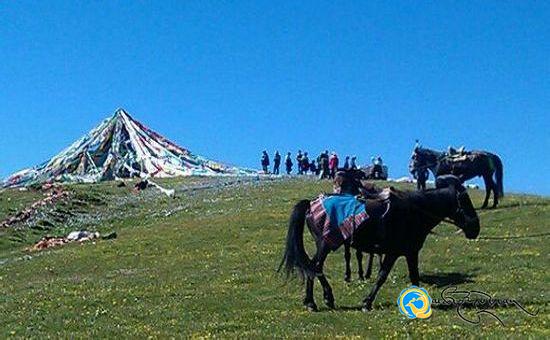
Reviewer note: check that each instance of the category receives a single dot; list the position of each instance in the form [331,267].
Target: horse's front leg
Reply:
[387,264]
[359,255]
[412,263]
[488,187]
[347,257]
[369,266]
[494,188]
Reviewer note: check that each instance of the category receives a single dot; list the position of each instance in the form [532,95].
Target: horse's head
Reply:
[349,181]
[414,164]
[423,158]
[418,160]
[464,215]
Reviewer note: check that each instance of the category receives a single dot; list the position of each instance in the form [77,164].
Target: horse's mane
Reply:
[413,198]
[425,152]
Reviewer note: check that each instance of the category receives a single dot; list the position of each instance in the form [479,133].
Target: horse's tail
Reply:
[499,175]
[295,254]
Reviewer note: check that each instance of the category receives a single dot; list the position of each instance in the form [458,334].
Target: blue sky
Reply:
[229,79]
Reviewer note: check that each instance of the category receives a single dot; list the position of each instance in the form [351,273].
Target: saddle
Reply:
[370,192]
[377,206]
[457,157]
[377,209]
[462,155]
[376,200]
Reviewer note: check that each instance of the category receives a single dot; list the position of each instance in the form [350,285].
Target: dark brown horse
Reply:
[353,182]
[363,274]
[400,232]
[465,166]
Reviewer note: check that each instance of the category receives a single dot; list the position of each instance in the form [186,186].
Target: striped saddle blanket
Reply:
[336,217]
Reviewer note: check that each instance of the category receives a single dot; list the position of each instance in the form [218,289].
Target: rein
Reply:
[515,237]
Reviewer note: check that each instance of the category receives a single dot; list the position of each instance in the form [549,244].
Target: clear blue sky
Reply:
[228,79]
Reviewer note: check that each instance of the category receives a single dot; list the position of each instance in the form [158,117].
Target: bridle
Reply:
[438,159]
[459,209]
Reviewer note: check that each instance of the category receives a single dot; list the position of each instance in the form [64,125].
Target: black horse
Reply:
[363,274]
[471,164]
[352,181]
[401,232]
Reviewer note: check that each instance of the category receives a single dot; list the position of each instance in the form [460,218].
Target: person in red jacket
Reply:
[333,164]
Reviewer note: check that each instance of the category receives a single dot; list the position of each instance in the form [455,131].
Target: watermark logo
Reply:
[478,303]
[415,302]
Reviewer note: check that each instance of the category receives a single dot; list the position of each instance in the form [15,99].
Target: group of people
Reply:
[325,166]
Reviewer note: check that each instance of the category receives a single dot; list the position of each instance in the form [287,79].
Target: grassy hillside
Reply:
[204,264]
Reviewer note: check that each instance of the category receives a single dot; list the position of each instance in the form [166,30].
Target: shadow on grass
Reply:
[376,307]
[447,279]
[348,308]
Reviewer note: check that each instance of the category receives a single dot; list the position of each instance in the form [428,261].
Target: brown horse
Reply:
[467,166]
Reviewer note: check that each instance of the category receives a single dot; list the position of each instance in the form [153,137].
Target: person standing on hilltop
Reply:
[417,145]
[265,162]
[333,164]
[313,168]
[322,161]
[353,164]
[299,161]
[346,163]
[377,167]
[276,162]
[288,163]
[305,163]
[319,164]
[420,174]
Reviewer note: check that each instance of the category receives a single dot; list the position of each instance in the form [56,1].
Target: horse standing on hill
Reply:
[353,182]
[464,166]
[397,226]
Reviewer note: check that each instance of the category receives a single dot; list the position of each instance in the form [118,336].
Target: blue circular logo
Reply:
[415,302]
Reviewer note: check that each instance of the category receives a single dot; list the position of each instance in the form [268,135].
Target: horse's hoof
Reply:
[367,306]
[330,304]
[361,277]
[311,307]
[347,279]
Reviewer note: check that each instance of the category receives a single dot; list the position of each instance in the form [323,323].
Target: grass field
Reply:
[204,265]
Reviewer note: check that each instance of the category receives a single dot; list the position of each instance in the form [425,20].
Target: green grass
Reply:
[204,264]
